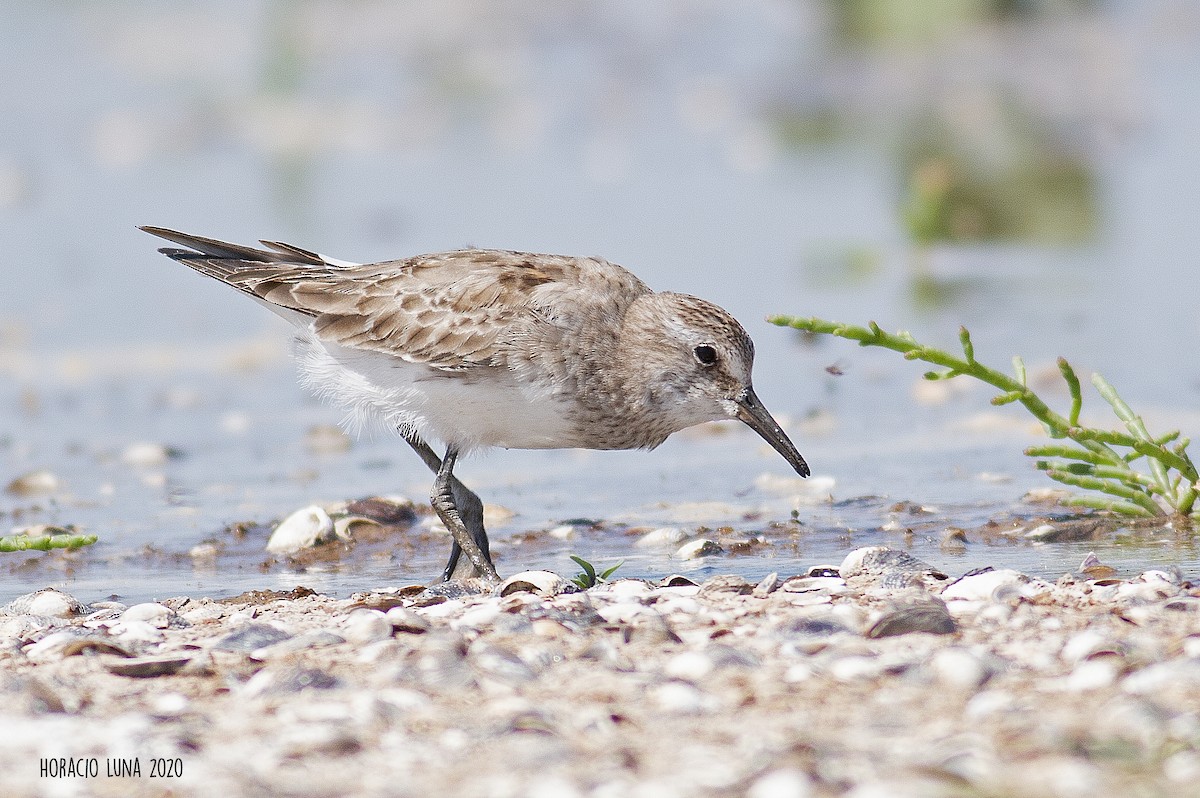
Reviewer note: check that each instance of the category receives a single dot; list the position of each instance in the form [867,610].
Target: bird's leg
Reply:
[467,508]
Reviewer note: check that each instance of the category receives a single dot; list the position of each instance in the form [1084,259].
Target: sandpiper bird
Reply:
[482,347]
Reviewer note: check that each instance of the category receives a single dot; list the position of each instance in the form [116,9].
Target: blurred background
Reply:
[1029,168]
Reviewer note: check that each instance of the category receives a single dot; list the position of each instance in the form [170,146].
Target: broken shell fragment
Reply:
[925,616]
[303,529]
[542,583]
[694,549]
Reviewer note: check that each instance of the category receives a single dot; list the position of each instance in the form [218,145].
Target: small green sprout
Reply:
[589,577]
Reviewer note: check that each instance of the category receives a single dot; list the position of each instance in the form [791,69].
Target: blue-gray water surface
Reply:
[1034,177]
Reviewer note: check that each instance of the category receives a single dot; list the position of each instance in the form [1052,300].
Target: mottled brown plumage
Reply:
[483,347]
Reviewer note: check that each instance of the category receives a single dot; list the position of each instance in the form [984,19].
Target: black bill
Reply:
[752,412]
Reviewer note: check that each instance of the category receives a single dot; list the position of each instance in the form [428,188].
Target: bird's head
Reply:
[698,363]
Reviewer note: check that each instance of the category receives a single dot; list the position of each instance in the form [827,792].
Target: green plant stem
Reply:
[44,542]
[1109,471]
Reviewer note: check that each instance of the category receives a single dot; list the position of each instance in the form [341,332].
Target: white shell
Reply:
[694,549]
[543,583]
[997,585]
[663,536]
[156,615]
[366,626]
[48,602]
[303,529]
[145,455]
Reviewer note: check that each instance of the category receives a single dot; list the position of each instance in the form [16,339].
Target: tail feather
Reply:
[268,276]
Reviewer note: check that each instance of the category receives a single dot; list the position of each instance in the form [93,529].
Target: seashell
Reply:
[69,642]
[827,585]
[303,529]
[692,666]
[35,483]
[661,537]
[48,603]
[1174,674]
[926,616]
[405,620]
[958,667]
[953,538]
[895,569]
[389,510]
[1092,568]
[542,583]
[682,698]
[1094,674]
[1043,533]
[767,585]
[1090,644]
[366,626]
[348,527]
[250,637]
[1173,576]
[1004,585]
[169,705]
[1147,592]
[481,616]
[500,663]
[564,532]
[136,632]
[156,615]
[727,584]
[694,549]
[787,782]
[674,580]
[289,680]
[149,667]
[147,455]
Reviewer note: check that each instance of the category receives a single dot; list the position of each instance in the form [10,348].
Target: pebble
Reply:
[830,681]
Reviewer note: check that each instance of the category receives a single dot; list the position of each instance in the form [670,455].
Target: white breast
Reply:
[470,409]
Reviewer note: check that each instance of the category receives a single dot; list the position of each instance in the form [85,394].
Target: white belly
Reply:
[466,409]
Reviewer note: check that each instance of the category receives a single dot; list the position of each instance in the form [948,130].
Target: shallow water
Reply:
[656,141]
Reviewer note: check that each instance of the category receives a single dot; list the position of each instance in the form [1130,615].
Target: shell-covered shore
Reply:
[878,677]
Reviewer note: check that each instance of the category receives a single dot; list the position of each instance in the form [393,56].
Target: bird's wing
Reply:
[452,310]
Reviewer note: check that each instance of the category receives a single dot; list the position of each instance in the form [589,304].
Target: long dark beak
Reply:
[751,411]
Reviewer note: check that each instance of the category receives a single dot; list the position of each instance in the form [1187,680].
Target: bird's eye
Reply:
[705,355]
